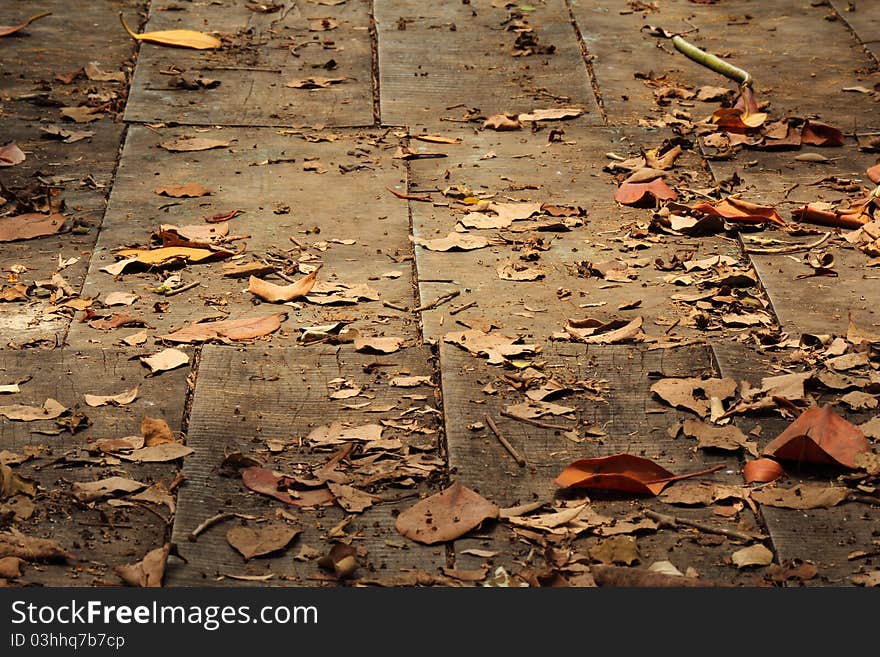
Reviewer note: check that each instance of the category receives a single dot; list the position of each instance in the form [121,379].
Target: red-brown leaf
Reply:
[266,482]
[820,436]
[445,516]
[874,174]
[233,329]
[821,134]
[644,194]
[762,471]
[739,211]
[621,472]
[27,226]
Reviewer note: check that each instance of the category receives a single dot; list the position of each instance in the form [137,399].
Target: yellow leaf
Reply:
[176,38]
[164,254]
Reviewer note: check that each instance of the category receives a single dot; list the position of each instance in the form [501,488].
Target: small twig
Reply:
[464,307]
[177,290]
[394,306]
[439,301]
[793,248]
[537,423]
[673,522]
[411,197]
[501,439]
[241,68]
[864,499]
[213,520]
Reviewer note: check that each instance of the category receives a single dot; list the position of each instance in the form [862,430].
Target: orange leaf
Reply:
[737,210]
[445,516]
[266,482]
[819,436]
[10,155]
[762,471]
[230,329]
[175,38]
[26,226]
[275,293]
[622,472]
[6,30]
[874,174]
[162,255]
[641,194]
[812,214]
[189,190]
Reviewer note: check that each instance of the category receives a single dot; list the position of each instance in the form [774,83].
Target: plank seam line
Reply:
[374,67]
[855,35]
[588,62]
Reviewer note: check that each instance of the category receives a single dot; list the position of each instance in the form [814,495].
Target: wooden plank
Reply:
[824,537]
[244,398]
[433,56]
[633,422]
[279,203]
[864,22]
[263,52]
[101,536]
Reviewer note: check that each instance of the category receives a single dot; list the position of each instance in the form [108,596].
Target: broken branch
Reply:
[501,439]
[673,522]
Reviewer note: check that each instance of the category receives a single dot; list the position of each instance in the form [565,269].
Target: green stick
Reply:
[713,62]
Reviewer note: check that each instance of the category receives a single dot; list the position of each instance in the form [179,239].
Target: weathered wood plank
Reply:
[433,56]
[864,20]
[244,398]
[282,207]
[262,53]
[101,536]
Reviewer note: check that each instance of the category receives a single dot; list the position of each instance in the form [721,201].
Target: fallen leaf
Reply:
[158,453]
[266,482]
[502,122]
[617,549]
[644,194]
[818,435]
[621,472]
[350,498]
[282,293]
[517,271]
[373,345]
[762,470]
[532,410]
[495,346]
[737,210]
[114,321]
[175,38]
[754,555]
[125,444]
[338,433]
[6,30]
[261,540]
[167,359]
[169,254]
[156,431]
[315,83]
[445,516]
[89,491]
[30,225]
[867,579]
[613,332]
[31,548]
[120,299]
[120,399]
[683,393]
[436,139]
[821,134]
[858,335]
[11,484]
[10,567]
[149,571]
[50,410]
[81,113]
[410,381]
[189,190]
[231,329]
[10,155]
[801,497]
[728,438]
[188,144]
[94,72]
[341,561]
[452,241]
[553,114]
[65,135]
[874,174]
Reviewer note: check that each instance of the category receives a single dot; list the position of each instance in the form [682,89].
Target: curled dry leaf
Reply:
[264,481]
[622,472]
[819,435]
[167,359]
[121,399]
[149,571]
[11,484]
[50,410]
[496,346]
[30,225]
[728,438]
[644,194]
[261,540]
[31,548]
[6,30]
[762,470]
[821,134]
[315,83]
[372,345]
[65,135]
[801,497]
[189,190]
[282,293]
[156,431]
[10,155]
[232,329]
[89,491]
[169,254]
[175,38]
[754,555]
[597,332]
[445,516]
[188,144]
[341,561]
[736,210]
[452,242]
[552,114]
[502,122]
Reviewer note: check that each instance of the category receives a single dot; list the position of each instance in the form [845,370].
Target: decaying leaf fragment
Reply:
[30,225]
[149,571]
[495,346]
[188,144]
[231,329]
[728,438]
[261,540]
[819,435]
[801,497]
[694,394]
[10,155]
[622,472]
[31,548]
[121,399]
[754,555]
[445,516]
[452,242]
[175,38]
[644,193]
[50,410]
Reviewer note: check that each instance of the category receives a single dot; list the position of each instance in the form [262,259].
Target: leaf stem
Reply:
[712,62]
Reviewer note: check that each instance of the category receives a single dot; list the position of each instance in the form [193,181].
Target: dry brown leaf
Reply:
[81,114]
[553,114]
[167,359]
[65,135]
[50,410]
[644,194]
[282,293]
[125,444]
[266,482]
[436,139]
[683,393]
[350,498]
[175,38]
[31,548]
[156,431]
[613,332]
[158,453]
[339,433]
[617,549]
[858,335]
[495,346]
[762,471]
[120,299]
[30,225]
[801,497]
[170,254]
[10,155]
[373,345]
[818,435]
[6,30]
[452,241]
[149,571]
[10,567]
[445,516]
[11,484]
[315,82]
[754,555]
[94,72]
[188,144]
[532,410]
[232,329]
[189,190]
[871,578]
[89,491]
[518,271]
[410,381]
[261,540]
[341,561]
[121,399]
[728,438]
[502,122]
